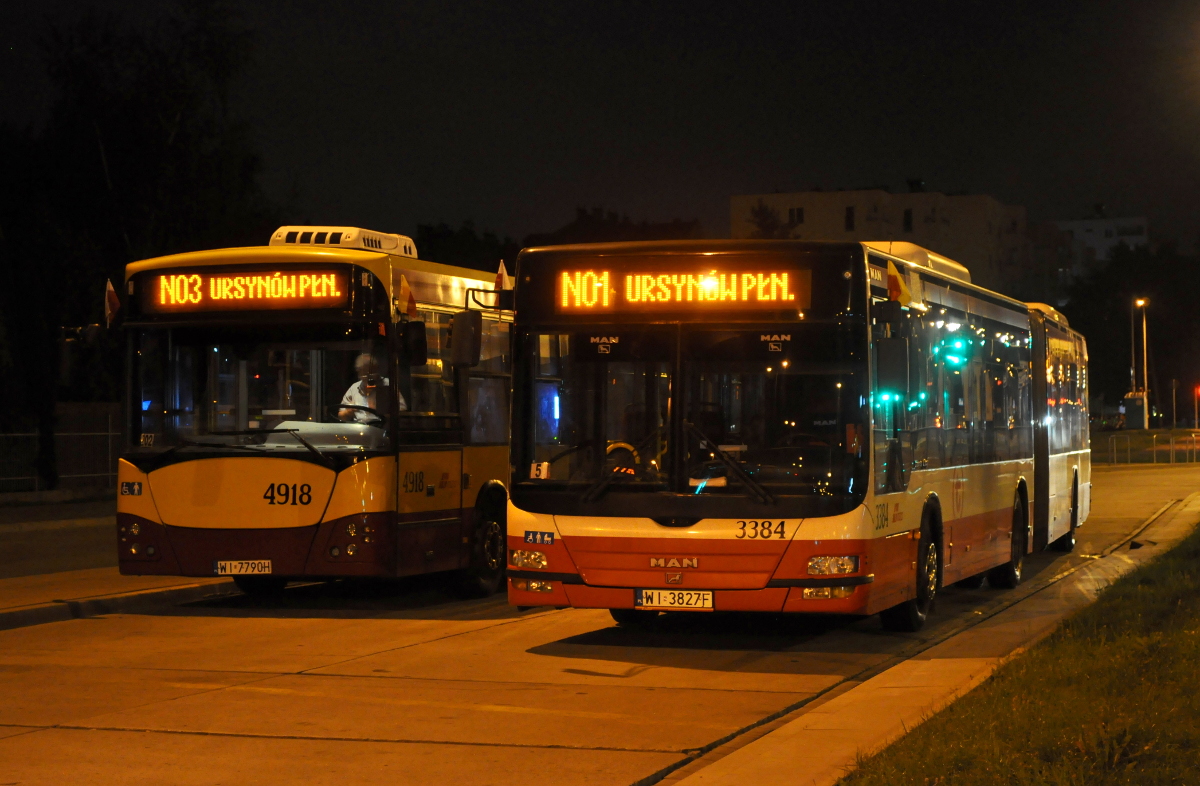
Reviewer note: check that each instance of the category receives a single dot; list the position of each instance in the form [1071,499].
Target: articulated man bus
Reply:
[296,413]
[783,426]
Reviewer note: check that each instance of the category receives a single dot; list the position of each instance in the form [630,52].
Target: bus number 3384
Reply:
[762,530]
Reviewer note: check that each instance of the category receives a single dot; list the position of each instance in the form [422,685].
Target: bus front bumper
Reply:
[358,545]
[556,589]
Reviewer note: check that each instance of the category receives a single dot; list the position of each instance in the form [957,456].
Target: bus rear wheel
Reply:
[1008,575]
[260,586]
[910,615]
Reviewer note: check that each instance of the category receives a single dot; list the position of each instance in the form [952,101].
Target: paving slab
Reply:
[48,695]
[532,715]
[822,745]
[101,758]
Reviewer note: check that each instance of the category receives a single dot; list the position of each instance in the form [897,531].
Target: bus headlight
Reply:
[527,559]
[827,593]
[827,566]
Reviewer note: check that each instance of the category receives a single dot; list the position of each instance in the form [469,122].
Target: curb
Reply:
[131,602]
[22,527]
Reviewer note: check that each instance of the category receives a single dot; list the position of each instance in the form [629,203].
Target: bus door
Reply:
[429,494]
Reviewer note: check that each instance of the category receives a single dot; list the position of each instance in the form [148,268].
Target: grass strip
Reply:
[1112,697]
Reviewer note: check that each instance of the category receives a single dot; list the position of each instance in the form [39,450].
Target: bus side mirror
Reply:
[466,336]
[416,345]
[889,312]
[891,365]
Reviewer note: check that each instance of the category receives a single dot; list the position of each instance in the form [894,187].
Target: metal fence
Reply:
[87,443]
[1147,447]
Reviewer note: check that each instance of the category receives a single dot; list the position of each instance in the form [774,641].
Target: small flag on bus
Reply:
[407,299]
[503,279]
[897,289]
[112,303]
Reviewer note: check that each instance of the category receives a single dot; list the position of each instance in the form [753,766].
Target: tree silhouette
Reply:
[768,224]
[140,157]
[464,246]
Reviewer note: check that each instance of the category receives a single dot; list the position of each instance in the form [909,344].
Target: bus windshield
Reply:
[697,410]
[266,388]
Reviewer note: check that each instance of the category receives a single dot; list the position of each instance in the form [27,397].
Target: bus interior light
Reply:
[826,566]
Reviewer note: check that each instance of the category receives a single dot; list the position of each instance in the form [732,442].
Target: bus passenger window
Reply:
[487,404]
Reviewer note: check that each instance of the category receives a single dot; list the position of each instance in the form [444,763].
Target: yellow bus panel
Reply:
[366,487]
[242,493]
[133,492]
[430,480]
[481,464]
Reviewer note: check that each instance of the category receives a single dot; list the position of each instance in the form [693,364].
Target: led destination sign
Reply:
[595,291]
[243,291]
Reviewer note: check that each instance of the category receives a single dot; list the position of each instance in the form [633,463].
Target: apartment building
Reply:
[979,231]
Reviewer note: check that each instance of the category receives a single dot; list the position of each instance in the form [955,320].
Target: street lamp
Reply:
[1135,392]
[1142,303]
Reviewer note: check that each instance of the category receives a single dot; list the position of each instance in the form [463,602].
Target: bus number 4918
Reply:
[283,494]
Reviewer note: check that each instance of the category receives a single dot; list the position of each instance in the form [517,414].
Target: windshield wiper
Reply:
[755,488]
[158,460]
[326,460]
[293,431]
[597,489]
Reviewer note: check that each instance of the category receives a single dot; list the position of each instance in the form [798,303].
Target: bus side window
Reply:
[433,383]
[489,386]
[487,404]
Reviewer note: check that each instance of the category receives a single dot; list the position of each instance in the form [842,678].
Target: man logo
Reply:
[663,562]
[775,337]
[605,339]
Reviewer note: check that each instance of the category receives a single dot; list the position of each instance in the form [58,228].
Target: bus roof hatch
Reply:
[345,237]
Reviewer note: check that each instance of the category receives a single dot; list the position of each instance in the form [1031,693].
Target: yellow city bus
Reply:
[297,411]
[783,426]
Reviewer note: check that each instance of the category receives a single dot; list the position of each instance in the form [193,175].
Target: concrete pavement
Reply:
[351,683]
[823,744]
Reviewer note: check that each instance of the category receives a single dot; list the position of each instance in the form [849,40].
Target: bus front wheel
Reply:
[485,575]
[1067,541]
[910,615]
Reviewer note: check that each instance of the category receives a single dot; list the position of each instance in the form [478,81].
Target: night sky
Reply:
[511,114]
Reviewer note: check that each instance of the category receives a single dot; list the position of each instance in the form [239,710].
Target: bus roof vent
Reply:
[1051,312]
[345,237]
[911,252]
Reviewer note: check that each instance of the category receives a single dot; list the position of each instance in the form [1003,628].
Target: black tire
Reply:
[634,618]
[971,582]
[1008,575]
[1067,542]
[485,574]
[260,586]
[910,616]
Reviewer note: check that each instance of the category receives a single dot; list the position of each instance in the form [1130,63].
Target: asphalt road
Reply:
[401,683]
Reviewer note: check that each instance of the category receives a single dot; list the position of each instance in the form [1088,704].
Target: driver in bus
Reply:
[363,392]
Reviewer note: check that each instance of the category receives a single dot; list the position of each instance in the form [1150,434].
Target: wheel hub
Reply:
[493,545]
